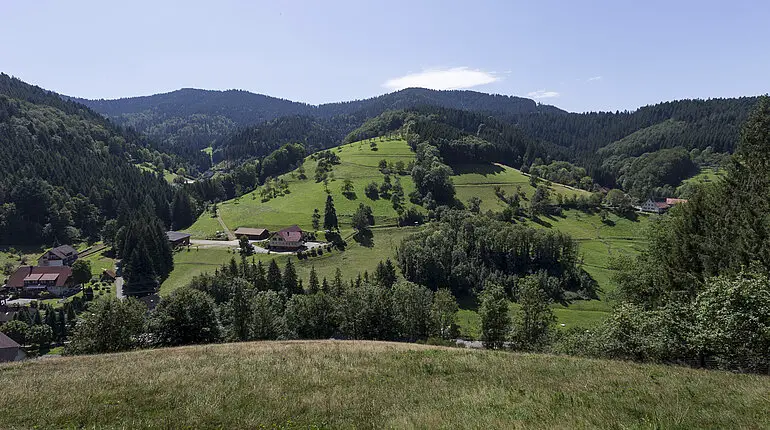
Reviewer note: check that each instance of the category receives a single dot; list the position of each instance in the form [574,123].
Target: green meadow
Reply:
[351,384]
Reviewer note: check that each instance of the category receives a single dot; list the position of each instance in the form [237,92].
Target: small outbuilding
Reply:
[63,255]
[252,233]
[10,350]
[176,238]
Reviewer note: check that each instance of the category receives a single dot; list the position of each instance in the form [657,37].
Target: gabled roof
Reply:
[33,274]
[175,236]
[671,202]
[290,236]
[293,228]
[250,231]
[662,205]
[7,342]
[63,251]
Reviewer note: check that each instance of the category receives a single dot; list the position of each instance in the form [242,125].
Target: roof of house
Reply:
[176,236]
[294,228]
[63,251]
[7,342]
[250,231]
[60,274]
[290,236]
[109,272]
[671,202]
[662,205]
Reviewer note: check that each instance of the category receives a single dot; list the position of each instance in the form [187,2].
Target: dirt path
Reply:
[230,235]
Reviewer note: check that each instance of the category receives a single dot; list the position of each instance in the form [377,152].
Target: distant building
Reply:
[30,281]
[108,275]
[63,255]
[288,239]
[660,207]
[176,238]
[10,350]
[252,233]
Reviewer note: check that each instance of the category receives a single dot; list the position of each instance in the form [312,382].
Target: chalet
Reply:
[108,275]
[30,281]
[177,239]
[10,350]
[252,233]
[63,255]
[288,239]
[660,207]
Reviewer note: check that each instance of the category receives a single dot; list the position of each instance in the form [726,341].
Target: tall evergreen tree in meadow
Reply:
[330,215]
[274,281]
[139,272]
[313,286]
[260,280]
[290,283]
[337,284]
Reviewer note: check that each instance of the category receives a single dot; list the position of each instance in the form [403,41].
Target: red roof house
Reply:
[32,280]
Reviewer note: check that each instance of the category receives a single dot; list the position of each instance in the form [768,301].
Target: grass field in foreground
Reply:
[333,384]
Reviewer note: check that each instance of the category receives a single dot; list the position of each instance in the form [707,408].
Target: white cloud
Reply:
[542,94]
[594,78]
[447,79]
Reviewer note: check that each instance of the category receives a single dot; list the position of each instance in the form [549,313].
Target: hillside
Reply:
[66,169]
[331,384]
[193,118]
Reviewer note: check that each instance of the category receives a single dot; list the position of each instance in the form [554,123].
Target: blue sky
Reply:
[578,55]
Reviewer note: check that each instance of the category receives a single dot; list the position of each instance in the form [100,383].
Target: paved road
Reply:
[236,244]
[119,287]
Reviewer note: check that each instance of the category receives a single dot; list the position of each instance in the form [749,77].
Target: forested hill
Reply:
[66,169]
[197,118]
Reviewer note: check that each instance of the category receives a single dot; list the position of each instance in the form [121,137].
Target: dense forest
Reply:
[66,170]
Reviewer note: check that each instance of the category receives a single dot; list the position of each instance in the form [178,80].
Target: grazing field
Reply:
[347,384]
[188,264]
[480,180]
[358,163]
[598,240]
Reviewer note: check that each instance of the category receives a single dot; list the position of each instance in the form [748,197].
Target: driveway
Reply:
[119,287]
[234,244]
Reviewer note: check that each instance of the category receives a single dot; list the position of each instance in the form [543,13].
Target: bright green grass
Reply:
[706,174]
[205,227]
[99,262]
[356,258]
[348,384]
[358,163]
[22,255]
[188,264]
[479,180]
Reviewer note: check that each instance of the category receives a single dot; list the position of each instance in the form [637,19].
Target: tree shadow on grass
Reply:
[481,169]
[544,223]
[364,238]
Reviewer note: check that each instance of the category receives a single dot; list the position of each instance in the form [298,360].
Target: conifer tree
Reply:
[290,284]
[260,281]
[330,215]
[313,285]
[274,276]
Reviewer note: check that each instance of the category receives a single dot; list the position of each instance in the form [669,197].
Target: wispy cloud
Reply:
[443,79]
[542,94]
[594,78]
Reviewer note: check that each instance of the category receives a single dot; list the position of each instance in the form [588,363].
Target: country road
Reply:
[119,287]
[203,243]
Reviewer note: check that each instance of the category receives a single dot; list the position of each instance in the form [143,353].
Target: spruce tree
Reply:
[274,276]
[260,281]
[313,285]
[290,285]
[338,285]
[330,215]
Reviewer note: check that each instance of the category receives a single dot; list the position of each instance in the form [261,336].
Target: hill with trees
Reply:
[67,170]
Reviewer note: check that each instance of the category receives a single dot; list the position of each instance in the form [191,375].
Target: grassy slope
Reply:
[328,384]
[597,241]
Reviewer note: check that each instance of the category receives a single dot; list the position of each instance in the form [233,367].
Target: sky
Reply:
[578,55]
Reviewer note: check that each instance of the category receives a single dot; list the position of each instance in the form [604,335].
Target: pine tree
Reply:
[139,272]
[313,285]
[325,285]
[316,219]
[290,285]
[260,282]
[330,215]
[274,277]
[337,285]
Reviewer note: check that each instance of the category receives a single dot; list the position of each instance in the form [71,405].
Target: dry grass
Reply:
[328,384]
